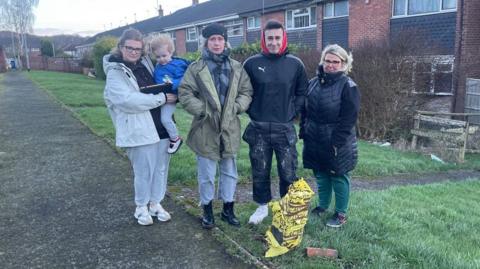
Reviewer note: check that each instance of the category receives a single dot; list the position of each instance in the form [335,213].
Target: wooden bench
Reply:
[452,133]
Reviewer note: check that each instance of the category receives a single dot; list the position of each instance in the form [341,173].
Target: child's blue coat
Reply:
[172,71]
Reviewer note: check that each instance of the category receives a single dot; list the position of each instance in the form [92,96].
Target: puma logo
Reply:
[261,69]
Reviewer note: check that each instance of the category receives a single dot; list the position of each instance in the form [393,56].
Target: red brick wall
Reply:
[3,61]
[368,20]
[319,26]
[59,64]
[467,46]
[180,47]
[279,16]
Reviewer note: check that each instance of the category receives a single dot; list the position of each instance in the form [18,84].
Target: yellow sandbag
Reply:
[290,215]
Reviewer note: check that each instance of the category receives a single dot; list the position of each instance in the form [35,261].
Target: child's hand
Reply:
[171,98]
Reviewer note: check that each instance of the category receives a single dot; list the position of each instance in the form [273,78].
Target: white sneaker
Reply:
[259,215]
[142,216]
[174,145]
[158,211]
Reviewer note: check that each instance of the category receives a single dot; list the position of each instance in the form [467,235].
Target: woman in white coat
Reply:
[136,117]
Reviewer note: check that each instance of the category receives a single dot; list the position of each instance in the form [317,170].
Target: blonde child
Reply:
[169,69]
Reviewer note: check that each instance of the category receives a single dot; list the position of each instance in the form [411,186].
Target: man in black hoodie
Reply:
[279,85]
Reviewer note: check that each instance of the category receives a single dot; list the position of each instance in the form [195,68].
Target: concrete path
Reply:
[66,197]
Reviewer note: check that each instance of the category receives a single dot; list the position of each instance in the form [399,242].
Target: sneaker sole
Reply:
[159,219]
[254,223]
[335,225]
[175,151]
[164,220]
[144,223]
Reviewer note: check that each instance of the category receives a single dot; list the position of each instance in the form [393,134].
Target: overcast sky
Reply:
[88,17]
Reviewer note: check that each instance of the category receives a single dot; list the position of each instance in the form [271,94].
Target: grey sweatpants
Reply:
[150,169]
[167,111]
[227,183]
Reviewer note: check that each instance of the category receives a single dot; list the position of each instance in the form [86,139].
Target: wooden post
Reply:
[416,126]
[464,148]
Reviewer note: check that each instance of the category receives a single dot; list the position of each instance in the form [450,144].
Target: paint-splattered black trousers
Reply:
[265,138]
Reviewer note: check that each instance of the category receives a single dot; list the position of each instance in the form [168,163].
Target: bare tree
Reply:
[17,16]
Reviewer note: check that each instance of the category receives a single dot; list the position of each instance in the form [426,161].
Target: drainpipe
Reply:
[458,59]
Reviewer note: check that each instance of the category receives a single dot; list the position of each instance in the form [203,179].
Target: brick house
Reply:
[316,23]
[467,47]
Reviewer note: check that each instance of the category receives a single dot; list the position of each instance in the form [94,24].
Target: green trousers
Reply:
[339,184]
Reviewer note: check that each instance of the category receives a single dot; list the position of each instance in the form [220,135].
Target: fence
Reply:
[60,64]
[472,99]
[450,135]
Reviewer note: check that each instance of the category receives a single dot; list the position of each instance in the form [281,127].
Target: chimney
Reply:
[160,11]
[194,2]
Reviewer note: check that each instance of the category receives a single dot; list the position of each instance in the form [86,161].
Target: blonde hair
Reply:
[162,40]
[341,53]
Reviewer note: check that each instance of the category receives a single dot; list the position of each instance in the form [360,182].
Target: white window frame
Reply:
[233,25]
[292,27]
[188,31]
[333,10]
[434,61]
[441,10]
[173,35]
[255,19]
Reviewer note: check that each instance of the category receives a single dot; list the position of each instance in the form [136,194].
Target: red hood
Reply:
[282,48]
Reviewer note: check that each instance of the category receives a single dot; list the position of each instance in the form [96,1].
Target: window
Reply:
[172,35]
[301,18]
[234,27]
[449,4]
[253,22]
[417,7]
[192,34]
[433,74]
[335,9]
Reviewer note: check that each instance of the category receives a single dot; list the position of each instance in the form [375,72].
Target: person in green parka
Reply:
[215,90]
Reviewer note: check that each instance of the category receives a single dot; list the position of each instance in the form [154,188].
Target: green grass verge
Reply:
[430,226]
[73,90]
[84,96]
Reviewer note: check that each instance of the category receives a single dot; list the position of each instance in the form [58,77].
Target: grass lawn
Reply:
[84,96]
[433,226]
[429,226]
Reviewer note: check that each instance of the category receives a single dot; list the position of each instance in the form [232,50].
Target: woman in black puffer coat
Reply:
[328,130]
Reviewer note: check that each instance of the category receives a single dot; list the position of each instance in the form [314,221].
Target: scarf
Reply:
[220,69]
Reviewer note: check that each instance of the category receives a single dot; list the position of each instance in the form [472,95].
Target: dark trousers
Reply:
[264,139]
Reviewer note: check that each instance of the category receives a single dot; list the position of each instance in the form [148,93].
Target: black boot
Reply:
[228,215]
[208,222]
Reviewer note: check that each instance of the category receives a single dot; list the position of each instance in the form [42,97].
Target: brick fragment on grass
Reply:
[322,252]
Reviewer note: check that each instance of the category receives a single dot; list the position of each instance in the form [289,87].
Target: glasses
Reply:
[132,49]
[332,62]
